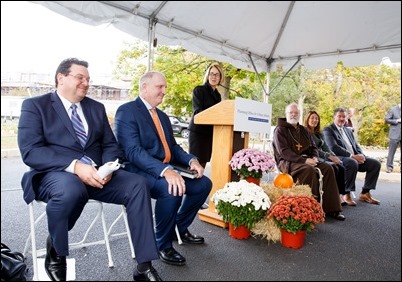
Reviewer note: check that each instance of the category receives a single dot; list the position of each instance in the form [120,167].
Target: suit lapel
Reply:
[145,112]
[61,111]
[86,109]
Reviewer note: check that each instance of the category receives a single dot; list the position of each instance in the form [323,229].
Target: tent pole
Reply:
[151,40]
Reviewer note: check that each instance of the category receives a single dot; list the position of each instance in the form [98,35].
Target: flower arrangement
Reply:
[296,212]
[251,163]
[241,203]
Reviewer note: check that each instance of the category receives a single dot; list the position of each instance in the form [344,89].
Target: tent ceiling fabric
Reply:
[261,34]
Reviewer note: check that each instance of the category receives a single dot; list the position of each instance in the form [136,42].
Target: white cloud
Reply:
[35,39]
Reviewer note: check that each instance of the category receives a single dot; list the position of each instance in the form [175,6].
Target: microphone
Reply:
[230,89]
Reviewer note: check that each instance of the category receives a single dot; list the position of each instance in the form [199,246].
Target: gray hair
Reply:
[147,77]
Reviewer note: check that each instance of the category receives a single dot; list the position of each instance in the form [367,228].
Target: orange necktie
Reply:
[157,123]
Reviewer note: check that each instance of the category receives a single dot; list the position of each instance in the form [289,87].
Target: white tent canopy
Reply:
[256,35]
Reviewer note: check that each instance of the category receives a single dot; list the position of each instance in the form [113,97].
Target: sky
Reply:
[35,39]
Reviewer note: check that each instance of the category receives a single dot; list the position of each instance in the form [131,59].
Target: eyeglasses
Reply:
[81,78]
[211,74]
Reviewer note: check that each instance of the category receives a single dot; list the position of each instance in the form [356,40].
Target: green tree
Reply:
[372,90]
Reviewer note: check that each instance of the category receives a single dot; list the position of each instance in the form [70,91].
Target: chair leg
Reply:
[176,229]
[178,235]
[130,242]
[33,242]
[83,243]
[105,235]
[124,215]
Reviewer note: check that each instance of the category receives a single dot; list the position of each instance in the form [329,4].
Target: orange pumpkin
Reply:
[283,179]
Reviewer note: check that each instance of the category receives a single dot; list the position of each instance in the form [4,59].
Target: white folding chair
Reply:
[83,243]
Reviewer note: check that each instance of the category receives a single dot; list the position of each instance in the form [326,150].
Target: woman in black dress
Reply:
[204,96]
[312,122]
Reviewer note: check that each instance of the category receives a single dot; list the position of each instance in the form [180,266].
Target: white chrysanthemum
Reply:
[242,193]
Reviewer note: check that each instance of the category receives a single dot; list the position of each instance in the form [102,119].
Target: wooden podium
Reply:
[225,143]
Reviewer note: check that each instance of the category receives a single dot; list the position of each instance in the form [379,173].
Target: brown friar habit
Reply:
[292,146]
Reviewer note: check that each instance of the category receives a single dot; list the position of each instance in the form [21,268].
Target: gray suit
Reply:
[391,118]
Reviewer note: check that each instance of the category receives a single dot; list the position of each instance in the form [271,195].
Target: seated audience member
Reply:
[146,137]
[63,137]
[312,123]
[294,148]
[341,141]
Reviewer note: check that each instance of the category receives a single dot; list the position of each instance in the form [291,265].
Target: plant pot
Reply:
[290,240]
[253,180]
[241,232]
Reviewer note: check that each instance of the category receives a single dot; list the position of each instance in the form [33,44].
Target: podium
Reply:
[225,143]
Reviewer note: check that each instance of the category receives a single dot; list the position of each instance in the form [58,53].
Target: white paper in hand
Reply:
[108,168]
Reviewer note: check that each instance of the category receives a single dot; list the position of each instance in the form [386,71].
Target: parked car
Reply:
[179,126]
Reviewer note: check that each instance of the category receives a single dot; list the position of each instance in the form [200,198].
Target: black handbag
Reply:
[13,267]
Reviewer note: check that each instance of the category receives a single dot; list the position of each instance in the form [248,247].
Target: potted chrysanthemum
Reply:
[251,163]
[296,214]
[241,203]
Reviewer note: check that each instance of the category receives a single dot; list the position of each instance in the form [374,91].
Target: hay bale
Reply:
[267,227]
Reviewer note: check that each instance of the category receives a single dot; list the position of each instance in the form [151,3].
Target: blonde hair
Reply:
[219,68]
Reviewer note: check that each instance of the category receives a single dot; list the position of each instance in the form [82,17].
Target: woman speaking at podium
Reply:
[204,97]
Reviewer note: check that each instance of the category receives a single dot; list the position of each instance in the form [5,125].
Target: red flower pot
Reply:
[290,240]
[241,232]
[253,180]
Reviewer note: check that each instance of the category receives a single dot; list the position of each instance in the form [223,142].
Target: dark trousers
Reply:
[66,196]
[340,177]
[393,145]
[177,210]
[371,167]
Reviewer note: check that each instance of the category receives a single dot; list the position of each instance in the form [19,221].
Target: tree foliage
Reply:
[371,90]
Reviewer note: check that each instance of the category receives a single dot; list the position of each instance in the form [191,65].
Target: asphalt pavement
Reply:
[364,247]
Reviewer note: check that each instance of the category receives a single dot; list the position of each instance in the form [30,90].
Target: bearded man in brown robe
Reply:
[295,150]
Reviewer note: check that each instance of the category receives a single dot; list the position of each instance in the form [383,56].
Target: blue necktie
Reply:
[79,131]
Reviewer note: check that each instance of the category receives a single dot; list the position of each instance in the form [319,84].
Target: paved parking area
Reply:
[365,247]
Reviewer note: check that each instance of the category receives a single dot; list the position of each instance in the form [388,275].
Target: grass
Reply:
[9,129]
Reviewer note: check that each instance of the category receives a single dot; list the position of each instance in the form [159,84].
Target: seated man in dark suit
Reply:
[341,141]
[63,137]
[146,136]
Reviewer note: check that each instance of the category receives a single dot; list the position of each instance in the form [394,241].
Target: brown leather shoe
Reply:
[343,203]
[348,199]
[368,199]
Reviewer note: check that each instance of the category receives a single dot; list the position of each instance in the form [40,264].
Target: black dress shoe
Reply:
[189,238]
[171,256]
[55,265]
[337,216]
[148,275]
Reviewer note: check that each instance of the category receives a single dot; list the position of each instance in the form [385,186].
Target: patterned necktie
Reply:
[79,131]
[158,126]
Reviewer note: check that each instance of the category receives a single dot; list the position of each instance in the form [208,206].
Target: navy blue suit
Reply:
[139,139]
[48,145]
[371,166]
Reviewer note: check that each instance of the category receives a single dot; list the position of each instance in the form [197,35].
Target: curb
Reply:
[8,153]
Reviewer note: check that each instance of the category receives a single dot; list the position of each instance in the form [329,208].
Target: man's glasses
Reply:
[211,74]
[81,78]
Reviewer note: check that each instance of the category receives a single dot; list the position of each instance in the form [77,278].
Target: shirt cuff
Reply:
[192,160]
